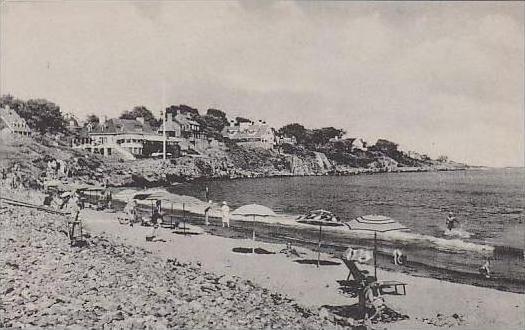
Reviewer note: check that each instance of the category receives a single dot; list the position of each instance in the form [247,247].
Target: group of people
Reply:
[157,216]
[12,177]
[57,169]
[225,214]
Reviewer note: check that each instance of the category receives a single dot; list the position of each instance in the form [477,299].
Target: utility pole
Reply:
[163,113]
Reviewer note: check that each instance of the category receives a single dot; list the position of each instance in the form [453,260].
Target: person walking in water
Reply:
[485,269]
[399,257]
[225,214]
[451,221]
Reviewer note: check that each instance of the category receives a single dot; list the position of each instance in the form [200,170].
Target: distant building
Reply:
[359,144]
[250,134]
[182,128]
[12,122]
[125,137]
[285,139]
[73,124]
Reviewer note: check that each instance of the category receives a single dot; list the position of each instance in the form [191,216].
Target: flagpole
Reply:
[163,113]
[375,255]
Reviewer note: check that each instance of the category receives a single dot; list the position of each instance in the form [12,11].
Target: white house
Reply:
[252,135]
[123,136]
[359,144]
[12,122]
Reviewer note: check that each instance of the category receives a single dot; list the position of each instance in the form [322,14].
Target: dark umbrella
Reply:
[320,218]
[375,224]
[254,210]
[167,197]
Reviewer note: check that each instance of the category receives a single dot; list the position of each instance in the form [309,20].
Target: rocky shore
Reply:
[46,283]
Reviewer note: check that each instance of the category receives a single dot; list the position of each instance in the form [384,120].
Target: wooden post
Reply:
[253,235]
[375,255]
[184,219]
[319,246]
[171,215]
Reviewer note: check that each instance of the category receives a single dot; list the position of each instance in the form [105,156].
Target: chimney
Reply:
[104,119]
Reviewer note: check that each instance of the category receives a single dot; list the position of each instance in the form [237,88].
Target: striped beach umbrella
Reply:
[320,218]
[376,224]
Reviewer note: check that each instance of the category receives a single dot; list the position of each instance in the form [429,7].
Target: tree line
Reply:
[45,117]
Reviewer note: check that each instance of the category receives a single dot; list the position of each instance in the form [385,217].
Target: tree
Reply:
[323,135]
[216,113]
[296,130]
[242,120]
[385,146]
[43,116]
[183,110]
[11,101]
[215,119]
[92,119]
[186,109]
[141,111]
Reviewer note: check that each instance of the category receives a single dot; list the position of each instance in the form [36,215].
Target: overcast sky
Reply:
[438,78]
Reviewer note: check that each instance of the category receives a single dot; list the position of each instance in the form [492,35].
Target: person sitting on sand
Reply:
[374,302]
[290,251]
[225,214]
[451,221]
[156,217]
[399,257]
[485,269]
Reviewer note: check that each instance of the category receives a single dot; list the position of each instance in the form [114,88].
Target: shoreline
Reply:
[334,243]
[317,287]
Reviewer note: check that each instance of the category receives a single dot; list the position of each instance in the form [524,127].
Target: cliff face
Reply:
[237,163]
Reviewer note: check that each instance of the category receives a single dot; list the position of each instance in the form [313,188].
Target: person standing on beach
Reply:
[207,213]
[74,220]
[225,214]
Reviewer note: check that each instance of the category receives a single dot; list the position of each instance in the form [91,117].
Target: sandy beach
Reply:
[478,308]
[429,303]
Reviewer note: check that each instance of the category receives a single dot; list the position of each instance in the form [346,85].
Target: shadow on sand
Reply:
[386,315]
[314,262]
[250,250]
[80,243]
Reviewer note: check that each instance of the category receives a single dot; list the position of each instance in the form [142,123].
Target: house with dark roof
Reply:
[251,135]
[125,137]
[182,128]
[11,122]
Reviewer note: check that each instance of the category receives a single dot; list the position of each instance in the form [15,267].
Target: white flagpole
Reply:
[163,112]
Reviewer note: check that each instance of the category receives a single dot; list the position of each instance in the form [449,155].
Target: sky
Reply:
[441,78]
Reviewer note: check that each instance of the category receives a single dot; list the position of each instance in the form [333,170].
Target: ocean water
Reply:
[489,205]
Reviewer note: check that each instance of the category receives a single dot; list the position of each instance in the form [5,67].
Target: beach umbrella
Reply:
[376,224]
[254,210]
[320,218]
